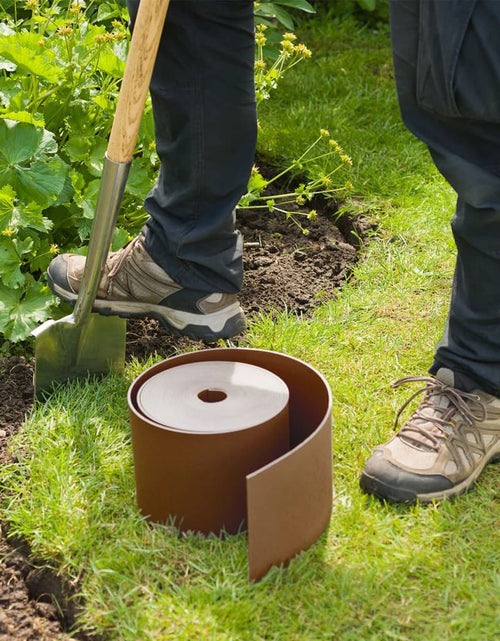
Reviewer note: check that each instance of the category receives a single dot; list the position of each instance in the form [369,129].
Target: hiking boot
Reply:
[133,285]
[443,447]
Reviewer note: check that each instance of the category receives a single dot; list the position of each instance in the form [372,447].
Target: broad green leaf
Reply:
[24,163]
[77,120]
[22,309]
[368,5]
[78,147]
[10,263]
[30,217]
[78,182]
[96,159]
[120,239]
[268,10]
[139,182]
[86,45]
[88,198]
[257,183]
[21,141]
[63,219]
[67,192]
[120,49]
[18,101]
[42,181]
[25,51]
[14,216]
[103,102]
[7,197]
[110,64]
[25,116]
[83,228]
[7,191]
[10,89]
[41,258]
[303,5]
[23,246]
[147,128]
[106,12]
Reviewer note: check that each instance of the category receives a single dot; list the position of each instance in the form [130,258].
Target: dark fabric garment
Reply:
[205,125]
[447,66]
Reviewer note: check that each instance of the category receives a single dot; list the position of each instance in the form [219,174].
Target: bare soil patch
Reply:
[284,270]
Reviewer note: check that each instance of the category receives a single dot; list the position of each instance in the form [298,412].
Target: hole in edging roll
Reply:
[212,395]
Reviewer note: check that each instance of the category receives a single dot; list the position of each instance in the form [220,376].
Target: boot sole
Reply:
[225,323]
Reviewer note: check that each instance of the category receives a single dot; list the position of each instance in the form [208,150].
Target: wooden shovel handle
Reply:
[135,84]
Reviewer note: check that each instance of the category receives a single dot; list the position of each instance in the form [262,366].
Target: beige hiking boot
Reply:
[443,447]
[133,285]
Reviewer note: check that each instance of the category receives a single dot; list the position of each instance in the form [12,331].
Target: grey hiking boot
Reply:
[443,447]
[133,285]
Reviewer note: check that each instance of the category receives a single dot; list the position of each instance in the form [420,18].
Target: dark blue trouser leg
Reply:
[447,65]
[205,124]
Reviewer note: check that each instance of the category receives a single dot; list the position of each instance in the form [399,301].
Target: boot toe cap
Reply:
[389,482]
[57,274]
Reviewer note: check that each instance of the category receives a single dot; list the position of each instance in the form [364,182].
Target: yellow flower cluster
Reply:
[65,31]
[287,46]
[76,6]
[302,51]
[260,38]
[333,143]
[102,38]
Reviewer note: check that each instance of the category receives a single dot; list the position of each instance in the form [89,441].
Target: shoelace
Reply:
[120,257]
[441,416]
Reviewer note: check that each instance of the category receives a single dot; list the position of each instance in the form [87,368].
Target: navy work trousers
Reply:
[447,66]
[204,110]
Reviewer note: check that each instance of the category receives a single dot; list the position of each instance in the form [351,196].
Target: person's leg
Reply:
[448,83]
[447,66]
[186,266]
[205,125]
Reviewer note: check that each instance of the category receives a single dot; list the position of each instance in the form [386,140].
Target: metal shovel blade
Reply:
[85,343]
[66,349]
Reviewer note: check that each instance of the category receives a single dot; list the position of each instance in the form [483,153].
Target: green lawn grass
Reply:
[379,572]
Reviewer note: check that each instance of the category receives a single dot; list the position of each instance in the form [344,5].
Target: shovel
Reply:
[85,343]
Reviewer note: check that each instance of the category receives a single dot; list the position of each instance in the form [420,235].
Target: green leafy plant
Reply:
[60,69]
[372,13]
[290,204]
[268,72]
[278,10]
[59,77]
